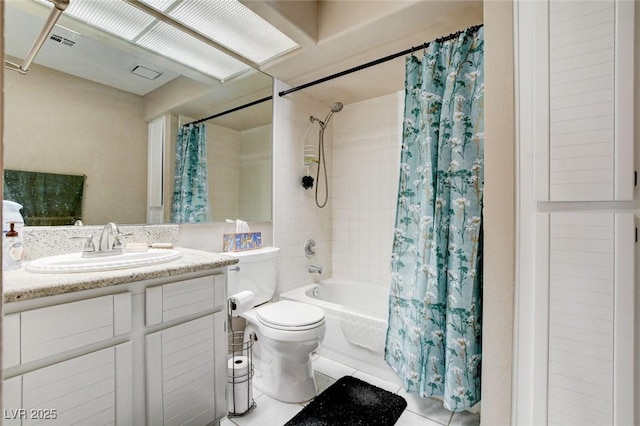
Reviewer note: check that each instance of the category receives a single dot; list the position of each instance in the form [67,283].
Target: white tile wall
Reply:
[296,218]
[255,173]
[367,138]
[224,179]
[354,231]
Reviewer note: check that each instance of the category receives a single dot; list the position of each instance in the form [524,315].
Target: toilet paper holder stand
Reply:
[240,372]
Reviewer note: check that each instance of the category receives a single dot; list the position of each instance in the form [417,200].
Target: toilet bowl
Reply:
[285,334]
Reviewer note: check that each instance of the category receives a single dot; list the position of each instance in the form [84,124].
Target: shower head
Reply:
[337,107]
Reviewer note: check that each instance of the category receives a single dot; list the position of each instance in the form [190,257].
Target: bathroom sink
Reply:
[74,262]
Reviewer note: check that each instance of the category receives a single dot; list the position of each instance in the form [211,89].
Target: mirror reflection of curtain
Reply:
[190,202]
[435,308]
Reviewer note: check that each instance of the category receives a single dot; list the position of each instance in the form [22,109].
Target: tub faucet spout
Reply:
[313,269]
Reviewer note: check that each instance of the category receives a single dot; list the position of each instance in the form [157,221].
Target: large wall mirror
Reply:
[84,109]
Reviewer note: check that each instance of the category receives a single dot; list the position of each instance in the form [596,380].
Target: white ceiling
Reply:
[352,33]
[94,55]
[334,35]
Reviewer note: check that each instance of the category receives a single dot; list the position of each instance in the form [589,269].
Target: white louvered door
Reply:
[576,250]
[88,390]
[584,100]
[588,355]
[180,374]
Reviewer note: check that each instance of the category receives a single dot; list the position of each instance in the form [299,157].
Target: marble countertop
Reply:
[21,285]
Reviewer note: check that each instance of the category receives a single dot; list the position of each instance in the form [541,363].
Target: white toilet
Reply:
[285,332]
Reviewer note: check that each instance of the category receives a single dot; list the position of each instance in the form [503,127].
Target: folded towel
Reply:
[47,198]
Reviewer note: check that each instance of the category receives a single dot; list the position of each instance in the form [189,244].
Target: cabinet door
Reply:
[180,374]
[587,298]
[583,95]
[12,401]
[90,389]
[181,299]
[221,374]
[10,340]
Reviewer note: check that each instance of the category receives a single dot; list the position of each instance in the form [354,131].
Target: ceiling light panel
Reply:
[173,43]
[231,24]
[161,5]
[116,17]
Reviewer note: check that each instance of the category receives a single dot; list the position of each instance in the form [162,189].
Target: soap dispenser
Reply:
[11,213]
[12,249]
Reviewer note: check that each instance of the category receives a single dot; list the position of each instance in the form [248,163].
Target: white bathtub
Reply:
[356,318]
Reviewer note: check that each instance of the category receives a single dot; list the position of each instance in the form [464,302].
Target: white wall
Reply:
[367,139]
[499,215]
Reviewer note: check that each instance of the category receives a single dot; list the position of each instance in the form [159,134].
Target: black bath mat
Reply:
[351,402]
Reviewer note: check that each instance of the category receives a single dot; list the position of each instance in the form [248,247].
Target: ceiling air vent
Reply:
[145,72]
[62,40]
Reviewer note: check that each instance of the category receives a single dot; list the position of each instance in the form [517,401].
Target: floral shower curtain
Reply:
[190,202]
[433,339]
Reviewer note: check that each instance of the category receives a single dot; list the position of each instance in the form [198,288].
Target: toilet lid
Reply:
[289,314]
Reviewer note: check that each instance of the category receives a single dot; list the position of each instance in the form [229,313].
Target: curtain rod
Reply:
[238,108]
[471,30]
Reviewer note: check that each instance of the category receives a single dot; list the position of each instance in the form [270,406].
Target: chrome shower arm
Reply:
[59,7]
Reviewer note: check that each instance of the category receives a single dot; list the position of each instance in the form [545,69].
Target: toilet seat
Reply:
[287,333]
[290,316]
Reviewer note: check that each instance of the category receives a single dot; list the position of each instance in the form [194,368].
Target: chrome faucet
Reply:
[110,239]
[110,242]
[313,269]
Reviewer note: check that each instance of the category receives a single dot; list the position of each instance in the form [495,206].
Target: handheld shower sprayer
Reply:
[322,161]
[336,107]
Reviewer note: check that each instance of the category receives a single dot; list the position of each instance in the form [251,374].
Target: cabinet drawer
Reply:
[183,298]
[56,329]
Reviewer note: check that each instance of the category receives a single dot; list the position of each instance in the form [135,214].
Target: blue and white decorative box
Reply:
[241,242]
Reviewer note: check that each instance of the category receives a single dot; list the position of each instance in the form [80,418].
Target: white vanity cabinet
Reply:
[152,352]
[185,360]
[67,379]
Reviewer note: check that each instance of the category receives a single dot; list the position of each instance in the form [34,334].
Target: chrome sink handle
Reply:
[89,247]
[118,243]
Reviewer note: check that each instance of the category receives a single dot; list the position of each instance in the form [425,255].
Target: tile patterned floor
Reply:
[419,412]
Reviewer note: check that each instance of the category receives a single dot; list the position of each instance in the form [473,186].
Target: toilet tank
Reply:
[255,271]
